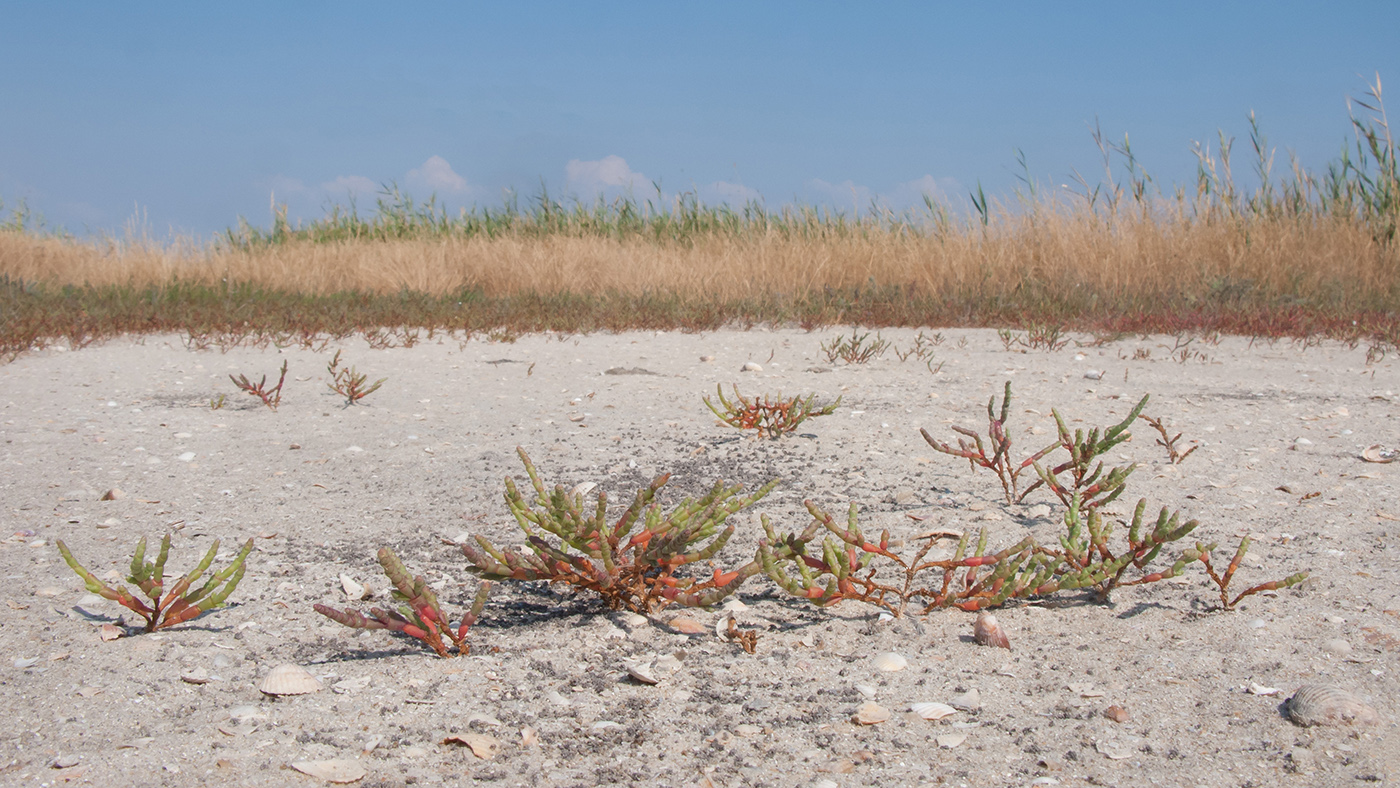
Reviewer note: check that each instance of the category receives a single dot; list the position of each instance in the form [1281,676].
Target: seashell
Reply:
[482,719]
[354,590]
[932,711]
[342,770]
[1116,713]
[987,632]
[288,680]
[633,620]
[967,701]
[1094,374]
[109,632]
[114,494]
[529,737]
[707,359]
[870,713]
[643,672]
[1375,453]
[1326,704]
[668,662]
[581,489]
[482,746]
[751,367]
[868,690]
[1118,749]
[686,625]
[950,740]
[890,662]
[196,676]
[1259,689]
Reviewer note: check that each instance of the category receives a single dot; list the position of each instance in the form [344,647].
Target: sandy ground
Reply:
[320,487]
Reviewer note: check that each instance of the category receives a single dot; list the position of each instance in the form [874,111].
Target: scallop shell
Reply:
[932,711]
[987,632]
[889,662]
[1327,704]
[1377,453]
[582,489]
[288,680]
[870,713]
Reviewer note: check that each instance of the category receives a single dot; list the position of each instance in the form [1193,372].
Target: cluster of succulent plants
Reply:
[647,558]
[350,383]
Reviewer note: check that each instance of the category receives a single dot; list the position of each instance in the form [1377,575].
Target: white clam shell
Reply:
[582,489]
[1327,704]
[932,711]
[890,662]
[289,680]
[643,672]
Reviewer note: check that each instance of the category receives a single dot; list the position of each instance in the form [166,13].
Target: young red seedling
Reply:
[772,418]
[271,397]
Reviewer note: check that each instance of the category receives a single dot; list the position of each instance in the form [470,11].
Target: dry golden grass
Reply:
[1056,255]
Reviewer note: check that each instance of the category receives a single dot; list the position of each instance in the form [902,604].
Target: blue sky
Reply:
[192,114]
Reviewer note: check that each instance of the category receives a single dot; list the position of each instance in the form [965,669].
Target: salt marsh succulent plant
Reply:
[182,602]
[420,616]
[770,417]
[631,561]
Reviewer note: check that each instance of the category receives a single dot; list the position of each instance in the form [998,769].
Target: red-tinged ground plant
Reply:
[1082,473]
[1008,471]
[642,560]
[183,602]
[771,418]
[349,383]
[420,616]
[1168,441]
[849,566]
[271,397]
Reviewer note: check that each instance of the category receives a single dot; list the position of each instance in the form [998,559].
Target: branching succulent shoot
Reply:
[419,617]
[180,603]
[632,561]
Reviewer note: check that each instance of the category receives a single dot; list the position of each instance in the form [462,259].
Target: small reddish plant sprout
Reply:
[349,383]
[419,616]
[922,350]
[856,349]
[1222,581]
[1168,441]
[771,418]
[271,397]
[632,561]
[183,602]
[1008,471]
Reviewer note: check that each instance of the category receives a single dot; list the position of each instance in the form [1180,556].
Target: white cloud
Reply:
[736,194]
[909,195]
[588,178]
[436,175]
[353,185]
[842,196]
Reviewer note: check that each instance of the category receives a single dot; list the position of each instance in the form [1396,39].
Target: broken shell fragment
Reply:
[354,590]
[643,673]
[870,713]
[950,740]
[686,625]
[581,489]
[196,676]
[890,662]
[1326,704]
[337,771]
[482,746]
[288,680]
[987,632]
[967,701]
[1376,453]
[1116,713]
[932,711]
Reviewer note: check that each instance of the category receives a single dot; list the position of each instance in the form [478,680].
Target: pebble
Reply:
[186,457]
[65,761]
